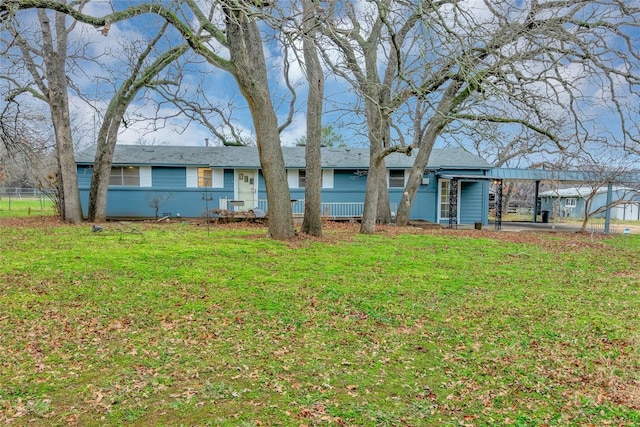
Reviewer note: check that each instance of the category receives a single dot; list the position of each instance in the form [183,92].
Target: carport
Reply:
[603,178]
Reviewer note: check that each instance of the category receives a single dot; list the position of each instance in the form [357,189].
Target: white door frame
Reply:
[439,204]
[252,174]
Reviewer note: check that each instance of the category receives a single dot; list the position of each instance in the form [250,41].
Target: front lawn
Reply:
[184,324]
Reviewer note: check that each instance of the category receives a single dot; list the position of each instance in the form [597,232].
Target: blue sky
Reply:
[221,88]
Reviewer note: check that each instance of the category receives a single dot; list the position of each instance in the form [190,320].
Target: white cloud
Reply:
[295,130]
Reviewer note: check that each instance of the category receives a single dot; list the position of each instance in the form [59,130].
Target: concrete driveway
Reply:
[557,227]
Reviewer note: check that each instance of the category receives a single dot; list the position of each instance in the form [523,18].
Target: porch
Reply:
[335,211]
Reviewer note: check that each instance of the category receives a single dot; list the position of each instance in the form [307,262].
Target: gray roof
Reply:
[247,157]
[566,175]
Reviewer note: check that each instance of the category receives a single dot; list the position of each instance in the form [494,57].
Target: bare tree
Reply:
[250,71]
[46,63]
[312,222]
[541,66]
[156,200]
[141,76]
[613,176]
[358,40]
[26,157]
[233,27]
[217,116]
[505,146]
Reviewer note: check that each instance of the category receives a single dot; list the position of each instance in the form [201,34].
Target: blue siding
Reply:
[84,176]
[425,206]
[349,186]
[471,202]
[168,177]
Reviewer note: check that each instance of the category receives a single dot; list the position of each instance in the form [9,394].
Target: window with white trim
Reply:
[570,203]
[445,185]
[125,176]
[205,178]
[297,178]
[396,178]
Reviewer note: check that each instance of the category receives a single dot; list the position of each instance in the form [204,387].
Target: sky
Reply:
[96,81]
[219,86]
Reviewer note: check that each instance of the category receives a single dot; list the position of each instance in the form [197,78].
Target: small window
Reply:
[396,178]
[205,178]
[302,178]
[125,176]
[570,203]
[297,178]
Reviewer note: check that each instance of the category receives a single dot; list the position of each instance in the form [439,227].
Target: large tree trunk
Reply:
[312,222]
[55,61]
[383,208]
[68,184]
[372,193]
[377,170]
[376,200]
[107,139]
[439,120]
[247,55]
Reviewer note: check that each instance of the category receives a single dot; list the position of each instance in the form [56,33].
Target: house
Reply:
[571,202]
[190,181]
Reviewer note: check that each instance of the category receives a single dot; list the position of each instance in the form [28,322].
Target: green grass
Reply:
[27,206]
[184,325]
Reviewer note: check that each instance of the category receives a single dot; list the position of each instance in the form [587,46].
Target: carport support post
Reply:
[607,213]
[498,183]
[453,203]
[535,202]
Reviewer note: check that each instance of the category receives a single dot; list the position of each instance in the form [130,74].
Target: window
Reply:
[125,176]
[444,198]
[302,178]
[570,203]
[297,178]
[205,178]
[396,178]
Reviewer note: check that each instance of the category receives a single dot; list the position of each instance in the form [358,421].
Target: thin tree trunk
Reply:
[312,222]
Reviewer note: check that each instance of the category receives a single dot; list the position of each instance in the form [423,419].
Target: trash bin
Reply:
[545,216]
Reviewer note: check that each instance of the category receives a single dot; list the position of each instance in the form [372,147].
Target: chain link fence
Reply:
[24,201]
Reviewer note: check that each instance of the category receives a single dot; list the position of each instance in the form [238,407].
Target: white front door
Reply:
[246,189]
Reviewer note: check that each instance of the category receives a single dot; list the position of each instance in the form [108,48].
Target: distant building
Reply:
[572,202]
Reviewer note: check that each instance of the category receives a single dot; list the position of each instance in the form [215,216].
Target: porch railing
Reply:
[342,209]
[331,209]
